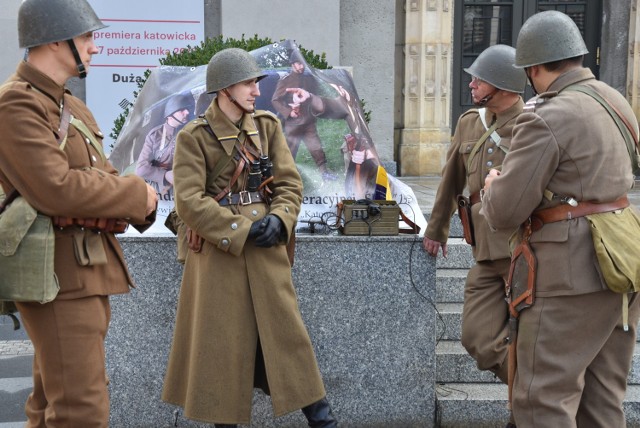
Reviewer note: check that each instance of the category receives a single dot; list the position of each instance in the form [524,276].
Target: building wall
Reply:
[367,43]
[615,43]
[372,39]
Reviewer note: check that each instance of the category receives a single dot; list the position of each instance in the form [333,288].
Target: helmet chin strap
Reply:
[82,71]
[486,98]
[236,103]
[182,122]
[533,88]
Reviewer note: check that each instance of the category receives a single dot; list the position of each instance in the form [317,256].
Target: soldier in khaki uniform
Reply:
[495,87]
[238,324]
[71,181]
[573,353]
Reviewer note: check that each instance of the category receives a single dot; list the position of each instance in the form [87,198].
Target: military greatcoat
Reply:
[235,296]
[573,353]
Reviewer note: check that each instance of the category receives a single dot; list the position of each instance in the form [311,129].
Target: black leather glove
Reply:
[270,228]
[255,229]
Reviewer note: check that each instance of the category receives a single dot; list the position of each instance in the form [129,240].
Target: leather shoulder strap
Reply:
[628,132]
[479,144]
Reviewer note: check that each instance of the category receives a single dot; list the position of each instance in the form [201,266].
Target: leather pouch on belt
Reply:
[89,248]
[464,212]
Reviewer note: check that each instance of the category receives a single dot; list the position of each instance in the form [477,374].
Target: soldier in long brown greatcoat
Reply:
[71,181]
[495,88]
[568,159]
[238,324]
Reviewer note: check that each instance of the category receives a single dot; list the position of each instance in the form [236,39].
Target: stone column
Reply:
[633,64]
[427,88]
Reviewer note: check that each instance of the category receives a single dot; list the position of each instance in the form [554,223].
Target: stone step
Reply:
[459,255]
[484,405]
[449,326]
[454,364]
[450,285]
[450,317]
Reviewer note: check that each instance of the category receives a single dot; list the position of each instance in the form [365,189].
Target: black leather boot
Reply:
[319,415]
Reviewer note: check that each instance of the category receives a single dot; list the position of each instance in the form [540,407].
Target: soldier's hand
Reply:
[493,173]
[152,199]
[271,228]
[256,229]
[432,247]
[357,156]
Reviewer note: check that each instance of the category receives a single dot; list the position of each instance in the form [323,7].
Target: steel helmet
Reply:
[231,66]
[547,37]
[495,65]
[296,56]
[47,21]
[178,103]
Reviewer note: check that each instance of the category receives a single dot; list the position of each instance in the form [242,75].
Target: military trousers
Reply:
[573,360]
[69,377]
[308,133]
[485,315]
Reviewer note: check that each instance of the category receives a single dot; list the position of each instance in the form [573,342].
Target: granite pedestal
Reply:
[368,303]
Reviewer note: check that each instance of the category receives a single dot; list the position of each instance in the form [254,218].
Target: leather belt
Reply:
[474,198]
[242,198]
[567,212]
[109,225]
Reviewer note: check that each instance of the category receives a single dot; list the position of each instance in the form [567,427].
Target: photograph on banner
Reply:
[321,115]
[137,35]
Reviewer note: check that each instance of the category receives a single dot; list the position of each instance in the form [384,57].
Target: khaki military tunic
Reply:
[573,355]
[76,181]
[484,318]
[235,296]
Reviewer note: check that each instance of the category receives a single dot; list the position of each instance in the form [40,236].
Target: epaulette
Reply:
[470,111]
[265,113]
[530,106]
[195,123]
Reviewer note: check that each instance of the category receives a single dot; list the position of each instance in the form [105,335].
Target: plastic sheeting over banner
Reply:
[322,118]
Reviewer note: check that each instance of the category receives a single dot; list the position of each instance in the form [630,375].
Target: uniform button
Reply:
[254,213]
[99,133]
[93,158]
[87,141]
[225,242]
[490,150]
[489,163]
[234,226]
[286,209]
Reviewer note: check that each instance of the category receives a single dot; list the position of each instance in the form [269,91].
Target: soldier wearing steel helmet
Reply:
[496,86]
[51,154]
[238,324]
[568,160]
[155,163]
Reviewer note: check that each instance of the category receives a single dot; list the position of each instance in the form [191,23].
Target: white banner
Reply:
[139,33]
[351,168]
